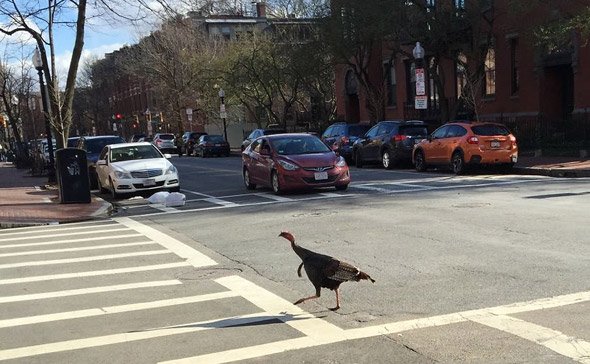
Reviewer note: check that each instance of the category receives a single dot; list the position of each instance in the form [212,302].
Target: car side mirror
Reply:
[101,162]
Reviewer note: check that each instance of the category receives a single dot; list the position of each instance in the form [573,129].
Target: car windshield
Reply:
[299,145]
[134,152]
[96,145]
[490,130]
[166,136]
[413,130]
[215,139]
[357,130]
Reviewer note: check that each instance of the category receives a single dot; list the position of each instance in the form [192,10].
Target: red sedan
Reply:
[293,161]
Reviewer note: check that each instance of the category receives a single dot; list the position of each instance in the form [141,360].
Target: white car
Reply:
[131,168]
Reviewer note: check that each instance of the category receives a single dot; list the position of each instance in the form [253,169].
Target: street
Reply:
[486,267]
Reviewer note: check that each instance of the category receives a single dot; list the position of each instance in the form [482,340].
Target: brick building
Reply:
[542,94]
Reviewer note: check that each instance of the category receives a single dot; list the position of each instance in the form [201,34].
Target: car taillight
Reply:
[399,137]
[158,142]
[473,140]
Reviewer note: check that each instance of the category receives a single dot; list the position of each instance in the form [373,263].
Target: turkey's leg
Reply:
[317,295]
[337,300]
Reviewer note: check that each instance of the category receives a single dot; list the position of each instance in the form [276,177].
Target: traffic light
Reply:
[118,116]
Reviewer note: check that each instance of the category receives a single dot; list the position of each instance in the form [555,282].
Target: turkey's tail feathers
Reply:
[363,275]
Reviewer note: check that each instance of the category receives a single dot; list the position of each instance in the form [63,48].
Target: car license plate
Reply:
[149,182]
[319,176]
[495,144]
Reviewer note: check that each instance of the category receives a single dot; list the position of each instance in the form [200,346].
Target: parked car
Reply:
[211,145]
[189,138]
[165,142]
[341,136]
[256,133]
[73,142]
[132,168]
[93,145]
[463,144]
[293,161]
[146,139]
[389,142]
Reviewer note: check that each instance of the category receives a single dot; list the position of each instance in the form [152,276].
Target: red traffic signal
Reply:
[118,116]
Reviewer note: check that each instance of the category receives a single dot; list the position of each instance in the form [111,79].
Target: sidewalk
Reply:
[26,200]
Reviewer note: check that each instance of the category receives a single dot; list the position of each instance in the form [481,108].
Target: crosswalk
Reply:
[197,201]
[126,291]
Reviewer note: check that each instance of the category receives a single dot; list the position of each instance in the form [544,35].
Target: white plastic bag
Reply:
[175,199]
[159,197]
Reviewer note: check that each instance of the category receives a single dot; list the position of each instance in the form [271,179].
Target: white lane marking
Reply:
[330,194]
[370,187]
[221,202]
[164,208]
[92,342]
[199,193]
[56,234]
[114,309]
[68,241]
[64,250]
[571,347]
[93,273]
[320,338]
[192,256]
[83,291]
[305,322]
[418,188]
[37,229]
[314,197]
[84,259]
[273,197]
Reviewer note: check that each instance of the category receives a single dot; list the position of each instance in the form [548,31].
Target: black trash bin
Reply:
[72,175]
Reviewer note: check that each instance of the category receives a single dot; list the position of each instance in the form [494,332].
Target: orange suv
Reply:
[462,144]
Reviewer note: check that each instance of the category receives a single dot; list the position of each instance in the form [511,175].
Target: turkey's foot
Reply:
[335,308]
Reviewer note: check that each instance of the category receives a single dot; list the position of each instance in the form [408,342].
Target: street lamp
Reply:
[222,113]
[38,63]
[421,99]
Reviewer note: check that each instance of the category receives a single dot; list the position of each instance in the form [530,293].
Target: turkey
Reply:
[324,271]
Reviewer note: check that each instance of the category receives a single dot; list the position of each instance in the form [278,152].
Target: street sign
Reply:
[223,114]
[420,82]
[421,102]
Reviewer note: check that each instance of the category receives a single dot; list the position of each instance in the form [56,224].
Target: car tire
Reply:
[419,161]
[247,182]
[341,187]
[358,160]
[386,160]
[114,193]
[93,179]
[276,183]
[457,163]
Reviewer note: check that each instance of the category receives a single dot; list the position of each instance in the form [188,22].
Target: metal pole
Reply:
[51,171]
[224,124]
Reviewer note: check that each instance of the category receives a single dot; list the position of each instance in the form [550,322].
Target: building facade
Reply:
[542,93]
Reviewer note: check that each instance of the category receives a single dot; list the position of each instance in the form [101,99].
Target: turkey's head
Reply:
[287,235]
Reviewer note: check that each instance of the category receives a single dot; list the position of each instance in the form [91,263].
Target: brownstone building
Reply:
[543,94]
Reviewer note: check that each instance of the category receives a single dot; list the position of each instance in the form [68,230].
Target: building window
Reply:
[461,74]
[430,5]
[432,92]
[410,82]
[459,4]
[390,82]
[514,76]
[490,73]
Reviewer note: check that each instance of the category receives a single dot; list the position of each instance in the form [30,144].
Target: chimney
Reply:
[261,9]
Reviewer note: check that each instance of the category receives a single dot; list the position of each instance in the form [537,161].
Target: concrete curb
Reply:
[553,172]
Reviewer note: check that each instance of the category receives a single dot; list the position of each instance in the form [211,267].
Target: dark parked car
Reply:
[93,146]
[341,136]
[189,139]
[211,145]
[256,133]
[73,142]
[389,142]
[293,161]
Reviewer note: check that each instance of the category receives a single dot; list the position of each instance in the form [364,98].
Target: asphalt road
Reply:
[477,268]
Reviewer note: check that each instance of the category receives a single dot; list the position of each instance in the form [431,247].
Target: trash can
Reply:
[72,175]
